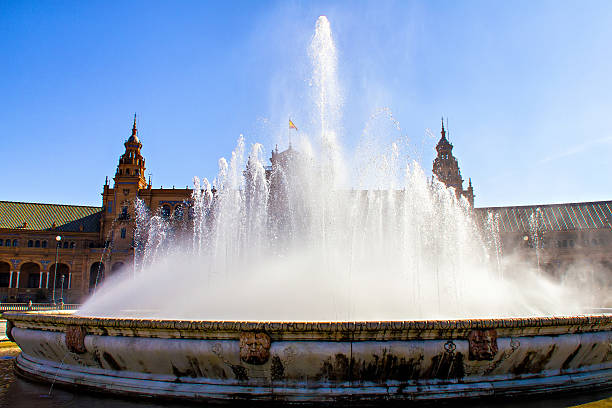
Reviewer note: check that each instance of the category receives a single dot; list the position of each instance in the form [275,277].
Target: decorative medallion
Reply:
[450,347]
[75,339]
[483,344]
[254,347]
[126,191]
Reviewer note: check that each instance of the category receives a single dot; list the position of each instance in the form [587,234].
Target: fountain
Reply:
[289,283]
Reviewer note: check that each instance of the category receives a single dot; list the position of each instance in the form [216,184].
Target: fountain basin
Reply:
[315,361]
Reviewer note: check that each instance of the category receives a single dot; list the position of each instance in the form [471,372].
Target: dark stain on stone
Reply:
[240,372]
[533,362]
[446,366]
[111,361]
[277,371]
[338,370]
[96,356]
[219,371]
[195,370]
[387,367]
[188,372]
[569,358]
[178,373]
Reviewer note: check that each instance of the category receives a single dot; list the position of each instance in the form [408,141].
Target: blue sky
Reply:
[526,86]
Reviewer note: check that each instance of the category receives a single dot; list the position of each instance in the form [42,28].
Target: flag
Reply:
[292,126]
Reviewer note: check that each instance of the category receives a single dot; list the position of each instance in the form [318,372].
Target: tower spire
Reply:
[443,132]
[134,130]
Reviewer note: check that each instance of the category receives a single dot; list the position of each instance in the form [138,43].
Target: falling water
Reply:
[294,241]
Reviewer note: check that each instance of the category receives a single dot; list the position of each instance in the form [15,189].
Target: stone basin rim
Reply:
[595,322]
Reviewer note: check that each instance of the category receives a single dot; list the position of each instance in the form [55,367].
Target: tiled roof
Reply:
[550,217]
[36,216]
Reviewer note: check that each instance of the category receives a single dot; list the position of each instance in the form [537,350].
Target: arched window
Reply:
[44,244]
[65,244]
[7,242]
[62,270]
[5,274]
[96,274]
[122,233]
[165,211]
[117,266]
[178,212]
[71,244]
[37,244]
[30,275]
[1,242]
[30,244]
[127,171]
[15,243]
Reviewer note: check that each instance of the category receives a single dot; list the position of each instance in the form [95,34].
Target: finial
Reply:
[134,130]
[470,181]
[443,132]
[106,181]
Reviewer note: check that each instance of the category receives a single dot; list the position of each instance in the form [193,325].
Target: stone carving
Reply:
[483,344]
[254,347]
[450,346]
[75,339]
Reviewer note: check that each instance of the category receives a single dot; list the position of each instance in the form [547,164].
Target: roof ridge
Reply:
[62,205]
[545,205]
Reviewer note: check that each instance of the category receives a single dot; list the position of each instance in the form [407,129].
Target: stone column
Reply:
[17,284]
[40,281]
[47,282]
[11,280]
[69,279]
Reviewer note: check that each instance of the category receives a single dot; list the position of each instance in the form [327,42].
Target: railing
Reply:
[17,307]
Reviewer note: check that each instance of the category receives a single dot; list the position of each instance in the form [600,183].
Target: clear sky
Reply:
[526,85]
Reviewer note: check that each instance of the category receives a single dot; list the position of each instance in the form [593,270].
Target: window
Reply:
[127,171]
[65,244]
[30,244]
[71,244]
[123,233]
[1,242]
[165,211]
[8,242]
[124,213]
[15,243]
[37,244]
[178,212]
[44,244]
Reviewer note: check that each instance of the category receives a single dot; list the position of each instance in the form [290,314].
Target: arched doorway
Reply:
[96,275]
[29,276]
[62,270]
[116,267]
[5,274]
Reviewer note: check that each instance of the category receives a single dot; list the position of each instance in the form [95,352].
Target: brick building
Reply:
[98,241]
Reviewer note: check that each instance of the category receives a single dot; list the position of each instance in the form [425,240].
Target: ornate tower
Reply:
[119,209]
[446,168]
[131,168]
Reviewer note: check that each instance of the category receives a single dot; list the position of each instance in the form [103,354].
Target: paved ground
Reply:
[3,330]
[8,352]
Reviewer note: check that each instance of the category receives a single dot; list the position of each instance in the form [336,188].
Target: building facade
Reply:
[95,242]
